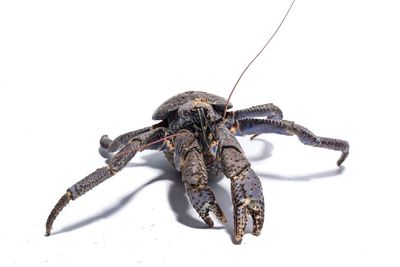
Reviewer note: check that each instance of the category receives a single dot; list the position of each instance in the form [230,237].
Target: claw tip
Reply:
[238,238]
[223,219]
[209,222]
[256,233]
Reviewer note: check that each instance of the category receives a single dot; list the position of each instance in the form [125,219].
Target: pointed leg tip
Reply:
[340,161]
[253,136]
[342,158]
[47,233]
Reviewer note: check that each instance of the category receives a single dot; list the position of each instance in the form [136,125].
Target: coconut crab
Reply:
[197,137]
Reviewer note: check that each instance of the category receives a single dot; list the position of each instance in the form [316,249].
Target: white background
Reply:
[71,71]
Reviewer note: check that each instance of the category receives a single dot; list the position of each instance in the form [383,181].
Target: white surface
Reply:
[72,71]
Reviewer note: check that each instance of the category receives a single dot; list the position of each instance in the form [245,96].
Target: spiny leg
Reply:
[266,110]
[123,139]
[113,145]
[117,163]
[190,162]
[259,126]
[246,189]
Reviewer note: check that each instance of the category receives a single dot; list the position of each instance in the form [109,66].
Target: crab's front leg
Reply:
[246,189]
[117,163]
[189,160]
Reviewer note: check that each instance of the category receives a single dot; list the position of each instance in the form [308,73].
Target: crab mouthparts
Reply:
[204,129]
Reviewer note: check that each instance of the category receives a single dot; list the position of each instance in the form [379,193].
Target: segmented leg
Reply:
[266,110]
[259,126]
[123,139]
[117,163]
[190,162]
[246,189]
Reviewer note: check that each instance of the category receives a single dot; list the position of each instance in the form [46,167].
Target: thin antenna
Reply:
[251,62]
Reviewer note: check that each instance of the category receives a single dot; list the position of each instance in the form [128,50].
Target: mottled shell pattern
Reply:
[172,104]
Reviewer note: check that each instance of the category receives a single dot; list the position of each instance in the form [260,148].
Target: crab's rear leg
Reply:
[270,111]
[259,126]
[246,189]
[117,163]
[189,160]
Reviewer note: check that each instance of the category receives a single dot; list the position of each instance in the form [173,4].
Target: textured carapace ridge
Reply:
[172,104]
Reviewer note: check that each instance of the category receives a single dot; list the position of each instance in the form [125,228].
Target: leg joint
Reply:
[234,162]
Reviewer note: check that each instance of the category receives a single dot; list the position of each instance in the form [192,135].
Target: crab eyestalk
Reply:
[64,200]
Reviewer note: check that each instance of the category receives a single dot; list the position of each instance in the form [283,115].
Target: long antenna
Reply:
[251,62]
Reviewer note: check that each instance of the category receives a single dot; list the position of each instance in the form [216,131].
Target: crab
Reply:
[197,136]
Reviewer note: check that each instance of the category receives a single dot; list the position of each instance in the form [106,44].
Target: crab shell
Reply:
[172,104]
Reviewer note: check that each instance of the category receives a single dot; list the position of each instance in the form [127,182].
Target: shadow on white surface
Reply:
[107,212]
[303,177]
[266,152]
[177,195]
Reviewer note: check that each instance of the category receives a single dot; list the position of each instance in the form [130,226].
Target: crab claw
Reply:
[247,200]
[203,201]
